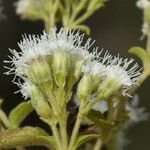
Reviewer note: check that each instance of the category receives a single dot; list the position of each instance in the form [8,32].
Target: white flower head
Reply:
[22,5]
[97,66]
[36,47]
[33,47]
[123,72]
[143,4]
[145,28]
[26,88]
[136,113]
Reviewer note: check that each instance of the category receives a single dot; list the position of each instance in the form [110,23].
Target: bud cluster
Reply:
[52,63]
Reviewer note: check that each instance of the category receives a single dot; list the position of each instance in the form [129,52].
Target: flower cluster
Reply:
[143,4]
[21,6]
[58,60]
[31,9]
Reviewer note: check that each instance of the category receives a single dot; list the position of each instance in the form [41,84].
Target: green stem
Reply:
[110,110]
[77,126]
[77,9]
[56,135]
[83,17]
[64,136]
[98,145]
[4,119]
[49,22]
[148,43]
[20,148]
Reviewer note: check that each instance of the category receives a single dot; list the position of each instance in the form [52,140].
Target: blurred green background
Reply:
[116,28]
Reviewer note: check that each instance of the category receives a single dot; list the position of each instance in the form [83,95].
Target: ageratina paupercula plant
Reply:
[57,67]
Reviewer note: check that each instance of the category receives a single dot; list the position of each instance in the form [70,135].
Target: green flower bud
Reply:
[108,87]
[84,88]
[61,62]
[41,106]
[87,86]
[40,72]
[76,66]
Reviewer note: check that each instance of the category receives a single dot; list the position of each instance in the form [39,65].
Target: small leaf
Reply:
[26,136]
[141,53]
[83,138]
[95,115]
[18,114]
[105,125]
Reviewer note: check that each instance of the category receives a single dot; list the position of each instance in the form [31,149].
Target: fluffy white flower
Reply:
[143,4]
[22,5]
[71,42]
[26,89]
[136,113]
[145,28]
[122,71]
[33,47]
[99,65]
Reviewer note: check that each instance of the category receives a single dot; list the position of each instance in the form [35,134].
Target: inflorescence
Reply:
[59,57]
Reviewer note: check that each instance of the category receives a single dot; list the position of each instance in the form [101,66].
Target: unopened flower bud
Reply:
[41,105]
[108,87]
[84,87]
[60,66]
[40,72]
[87,86]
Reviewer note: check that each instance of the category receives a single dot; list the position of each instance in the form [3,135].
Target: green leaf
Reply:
[48,139]
[105,125]
[95,115]
[141,53]
[84,138]
[26,136]
[18,114]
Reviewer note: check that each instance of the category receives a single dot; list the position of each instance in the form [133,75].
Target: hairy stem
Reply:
[98,145]
[64,136]
[77,126]
[56,135]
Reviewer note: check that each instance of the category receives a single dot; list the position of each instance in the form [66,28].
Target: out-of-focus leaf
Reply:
[19,113]
[105,125]
[95,115]
[84,138]
[141,53]
[26,136]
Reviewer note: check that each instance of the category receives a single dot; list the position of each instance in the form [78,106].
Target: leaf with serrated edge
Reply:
[18,114]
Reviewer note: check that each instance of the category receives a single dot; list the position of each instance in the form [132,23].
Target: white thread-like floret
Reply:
[123,72]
